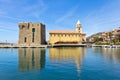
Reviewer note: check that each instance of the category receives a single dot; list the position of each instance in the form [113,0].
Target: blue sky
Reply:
[95,15]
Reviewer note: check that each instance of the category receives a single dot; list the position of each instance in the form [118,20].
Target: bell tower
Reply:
[78,27]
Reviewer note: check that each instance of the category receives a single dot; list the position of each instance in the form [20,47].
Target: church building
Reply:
[67,36]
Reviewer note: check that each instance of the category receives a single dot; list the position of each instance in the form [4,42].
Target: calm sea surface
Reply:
[60,64]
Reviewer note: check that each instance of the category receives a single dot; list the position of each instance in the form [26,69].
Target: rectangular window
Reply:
[33,30]
[33,33]
[33,37]
[25,39]
[28,25]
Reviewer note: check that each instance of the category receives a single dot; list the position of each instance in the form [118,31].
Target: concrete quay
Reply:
[68,45]
[43,46]
[17,46]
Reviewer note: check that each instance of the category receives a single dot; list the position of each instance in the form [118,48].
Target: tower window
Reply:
[33,33]
[25,39]
[33,30]
[28,25]
[33,37]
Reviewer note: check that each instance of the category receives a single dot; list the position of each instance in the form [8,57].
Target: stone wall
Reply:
[31,34]
[68,38]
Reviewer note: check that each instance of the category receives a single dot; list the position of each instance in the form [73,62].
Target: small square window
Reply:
[33,29]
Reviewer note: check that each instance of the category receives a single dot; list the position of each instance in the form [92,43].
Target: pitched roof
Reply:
[66,32]
[78,22]
[63,31]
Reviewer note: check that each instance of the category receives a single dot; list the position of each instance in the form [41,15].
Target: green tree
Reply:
[95,38]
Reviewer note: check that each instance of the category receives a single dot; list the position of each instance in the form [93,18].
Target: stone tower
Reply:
[78,27]
[31,34]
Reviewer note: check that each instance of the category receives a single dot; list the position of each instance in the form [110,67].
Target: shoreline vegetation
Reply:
[106,43]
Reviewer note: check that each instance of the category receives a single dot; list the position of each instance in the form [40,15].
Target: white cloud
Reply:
[103,19]
[68,14]
[35,10]
[21,9]
[9,17]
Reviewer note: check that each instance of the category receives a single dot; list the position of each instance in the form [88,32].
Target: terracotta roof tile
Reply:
[63,31]
[66,31]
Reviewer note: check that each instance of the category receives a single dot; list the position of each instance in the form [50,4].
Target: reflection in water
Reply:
[112,53]
[67,54]
[31,58]
[109,53]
